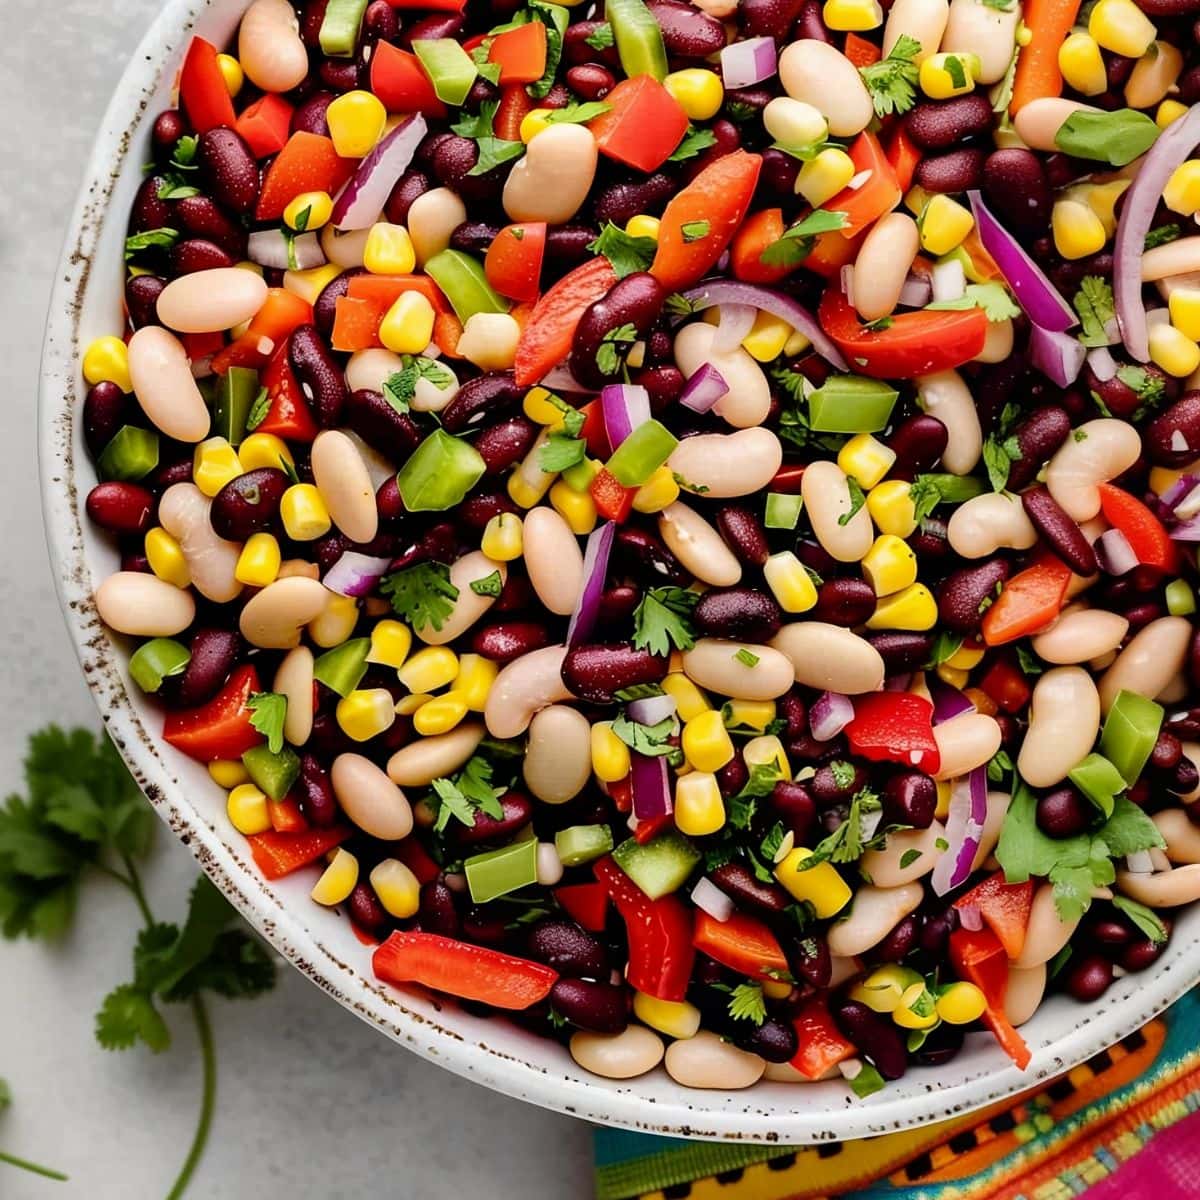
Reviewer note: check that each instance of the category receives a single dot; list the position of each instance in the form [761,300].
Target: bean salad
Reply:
[681,515]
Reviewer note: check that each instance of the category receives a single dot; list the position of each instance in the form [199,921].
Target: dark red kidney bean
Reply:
[596,671]
[1117,70]
[325,309]
[481,399]
[509,640]
[141,299]
[148,211]
[591,1005]
[105,410]
[687,31]
[214,653]
[577,50]
[1186,725]
[665,385]
[392,433]
[931,541]
[1066,538]
[198,254]
[203,217]
[1187,779]
[778,174]
[875,1036]
[409,186]
[901,651]
[644,194]
[741,613]
[832,787]
[484,926]
[136,561]
[794,805]
[518,812]
[1189,85]
[567,245]
[505,443]
[728,139]
[312,17]
[1088,977]
[792,710]
[1063,813]
[640,548]
[167,473]
[310,117]
[435,25]
[1117,396]
[120,507]
[566,947]
[1166,753]
[314,792]
[436,911]
[918,443]
[775,1039]
[963,595]
[733,776]
[617,604]
[955,171]
[474,237]
[1038,437]
[477,510]
[811,23]
[249,503]
[453,160]
[591,81]
[941,1046]
[909,798]
[747,99]
[380,22]
[844,601]
[1110,932]
[936,931]
[1140,954]
[321,379]
[1014,184]
[338,76]
[1140,615]
[940,124]
[743,533]
[741,885]
[636,300]
[557,97]
[900,941]
[364,909]
[808,956]
[169,126]
[769,18]
[229,169]
[1172,439]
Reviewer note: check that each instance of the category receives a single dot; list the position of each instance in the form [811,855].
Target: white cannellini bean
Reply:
[748,399]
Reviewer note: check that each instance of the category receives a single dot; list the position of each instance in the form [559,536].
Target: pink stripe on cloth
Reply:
[1167,1169]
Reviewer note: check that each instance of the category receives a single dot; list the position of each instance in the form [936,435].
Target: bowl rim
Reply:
[577,1094]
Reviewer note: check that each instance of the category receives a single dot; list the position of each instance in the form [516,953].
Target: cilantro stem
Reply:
[25,1165]
[134,882]
[208,1099]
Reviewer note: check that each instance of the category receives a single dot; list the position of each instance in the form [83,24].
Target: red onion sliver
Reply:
[736,321]
[651,789]
[916,292]
[652,709]
[360,202]
[595,571]
[948,702]
[560,379]
[1189,531]
[964,826]
[1114,553]
[703,389]
[1182,487]
[830,713]
[970,917]
[624,407]
[1058,356]
[709,898]
[748,62]
[355,574]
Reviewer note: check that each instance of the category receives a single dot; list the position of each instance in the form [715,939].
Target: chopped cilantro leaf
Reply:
[848,841]
[992,297]
[163,238]
[797,243]
[892,80]
[267,713]
[489,585]
[422,594]
[651,740]
[661,620]
[577,114]
[857,499]
[601,37]
[614,343]
[746,1003]
[693,231]
[1095,305]
[626,254]
[465,794]
[692,143]
[258,410]
[1162,235]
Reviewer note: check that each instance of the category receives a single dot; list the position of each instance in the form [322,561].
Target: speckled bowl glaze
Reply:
[87,303]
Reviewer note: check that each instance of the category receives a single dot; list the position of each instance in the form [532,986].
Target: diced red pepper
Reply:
[878,193]
[759,231]
[743,944]
[199,346]
[1146,534]
[356,324]
[821,1044]
[285,816]
[521,53]
[649,829]
[1005,909]
[643,125]
[586,903]
[861,52]
[661,954]
[613,501]
[830,253]
[202,88]
[515,105]
[399,80]
[266,125]
[416,858]
[1029,601]
[979,958]
[463,970]
[787,479]
[895,727]
[903,154]
[621,794]
[279,854]
[308,163]
[221,728]
[513,263]
[1006,685]
[281,312]
[288,415]
[593,430]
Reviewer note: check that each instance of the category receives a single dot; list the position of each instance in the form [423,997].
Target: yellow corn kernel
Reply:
[657,493]
[610,755]
[338,879]
[944,75]
[916,198]
[942,811]
[866,460]
[264,450]
[1102,199]
[578,509]
[767,750]
[389,251]
[106,360]
[231,73]
[882,989]
[1169,111]
[1173,350]
[706,744]
[956,677]
[440,715]
[214,463]
[852,16]
[308,285]
[503,538]
[543,407]
[408,326]
[643,226]
[303,513]
[890,565]
[790,583]
[529,483]
[821,885]
[365,713]
[1182,193]
[1078,231]
[748,714]
[165,556]
[699,809]
[944,223]
[891,508]
[690,701]
[913,608]
[966,657]
[534,122]
[1184,307]
[1122,27]
[356,122]
[676,1018]
[258,563]
[776,989]
[410,704]
[429,669]
[390,643]
[308,211]
[917,1008]
[961,1003]
[698,92]
[398,889]
[767,337]
[335,623]
[228,773]
[474,680]
[246,808]
[1081,65]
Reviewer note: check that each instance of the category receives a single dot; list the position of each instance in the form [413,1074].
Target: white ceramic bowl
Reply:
[87,303]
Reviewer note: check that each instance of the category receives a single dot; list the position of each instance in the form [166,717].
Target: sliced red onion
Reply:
[651,790]
[830,713]
[970,917]
[916,292]
[736,321]
[360,202]
[269,248]
[847,281]
[624,407]
[1058,356]
[652,709]
[949,280]
[746,63]
[1182,487]
[1189,506]
[948,702]
[1103,365]
[1139,863]
[778,304]
[560,379]
[1138,206]
[1114,553]
[1034,292]
[964,827]
[355,574]
[709,898]
[595,571]
[1189,531]
[703,389]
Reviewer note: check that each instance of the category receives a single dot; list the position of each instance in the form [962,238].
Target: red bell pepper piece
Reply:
[282,311]
[915,343]
[399,80]
[221,728]
[895,727]
[830,253]
[288,416]
[355,324]
[742,944]
[979,958]
[787,479]
[650,828]
[903,154]
[385,290]
[266,125]
[758,231]
[308,163]
[643,125]
[513,263]
[1145,533]
[878,193]
[613,501]
[821,1045]
[285,816]
[700,221]
[861,52]
[546,339]
[515,106]
[279,854]
[202,345]
[621,794]
[1006,685]
[586,903]
[521,53]
[593,430]
[1005,909]
[463,970]
[202,90]
[415,857]
[1029,601]
[661,954]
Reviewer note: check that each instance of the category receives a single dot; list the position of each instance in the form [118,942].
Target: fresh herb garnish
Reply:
[1146,919]
[626,254]
[650,740]
[992,297]
[492,150]
[577,114]
[601,37]
[23,1163]
[849,840]
[797,243]
[421,594]
[163,238]
[857,499]
[465,794]
[945,645]
[693,231]
[892,81]
[1096,308]
[268,710]
[928,491]
[489,585]
[746,657]
[1162,235]
[613,346]
[692,143]
[746,1003]
[662,620]
[908,858]
[742,807]
[258,410]
[401,386]
[1116,138]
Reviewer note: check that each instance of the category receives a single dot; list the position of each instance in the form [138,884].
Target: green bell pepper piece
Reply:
[340,27]
[439,473]
[155,660]
[1181,600]
[272,773]
[1099,781]
[782,511]
[851,404]
[498,872]
[640,45]
[581,844]
[342,668]
[642,453]
[449,67]
[579,477]
[462,279]
[1130,731]
[131,455]
[236,393]
[659,866]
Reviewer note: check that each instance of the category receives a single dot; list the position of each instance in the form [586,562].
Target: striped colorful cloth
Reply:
[1122,1126]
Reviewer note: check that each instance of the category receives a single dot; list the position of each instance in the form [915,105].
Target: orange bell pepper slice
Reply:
[285,816]
[758,231]
[355,324]
[903,154]
[308,163]
[1029,601]
[385,290]
[515,105]
[742,944]
[521,53]
[878,193]
[1005,909]
[861,52]
[282,311]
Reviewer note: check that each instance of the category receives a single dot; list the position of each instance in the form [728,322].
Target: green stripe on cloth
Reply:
[631,1164]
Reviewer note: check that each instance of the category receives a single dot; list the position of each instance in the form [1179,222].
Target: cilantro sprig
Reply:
[23,1163]
[626,254]
[662,620]
[422,594]
[467,793]
[797,243]
[493,151]
[892,81]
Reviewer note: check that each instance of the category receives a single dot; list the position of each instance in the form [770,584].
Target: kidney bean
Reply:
[454,158]
[955,171]
[120,507]
[900,941]
[214,653]
[733,776]
[309,116]
[321,379]
[778,174]
[202,217]
[567,245]
[808,956]
[1189,85]
[167,473]
[687,31]
[831,787]
[595,671]
[743,533]
[148,211]
[728,139]
[481,399]
[474,237]
[1111,932]
[902,651]
[409,186]
[518,812]
[436,25]
[1140,954]
[936,931]
[940,124]
[1118,397]
[325,309]
[640,548]
[485,927]
[942,1044]
[741,885]
[1172,439]
[1064,536]
[1165,754]
[364,909]
[875,1036]
[794,805]
[775,1039]
[844,601]
[198,254]
[1187,779]
[248,503]
[436,910]
[505,443]
[811,23]
[909,798]
[1038,437]
[568,948]
[963,595]
[314,792]
[229,170]
[509,640]
[169,126]
[617,604]
[769,18]
[636,300]
[664,383]
[339,75]
[1014,184]
[312,17]
[141,299]
[577,51]
[1117,69]
[591,81]
[631,196]
[1088,977]
[1140,615]
[591,1005]
[742,613]
[792,710]
[477,510]
[105,410]
[1063,813]
[380,22]
[918,443]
